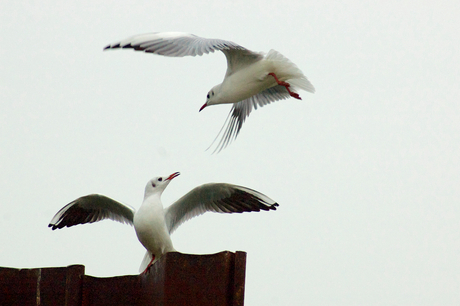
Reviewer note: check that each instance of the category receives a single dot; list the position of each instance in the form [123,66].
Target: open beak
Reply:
[204,105]
[173,176]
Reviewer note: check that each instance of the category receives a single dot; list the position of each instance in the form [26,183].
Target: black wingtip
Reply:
[112,47]
[55,226]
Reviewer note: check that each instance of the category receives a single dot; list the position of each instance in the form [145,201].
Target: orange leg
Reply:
[285,84]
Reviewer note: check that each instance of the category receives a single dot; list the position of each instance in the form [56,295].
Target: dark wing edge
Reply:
[92,208]
[219,198]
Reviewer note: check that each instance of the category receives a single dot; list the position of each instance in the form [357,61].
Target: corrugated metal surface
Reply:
[176,279]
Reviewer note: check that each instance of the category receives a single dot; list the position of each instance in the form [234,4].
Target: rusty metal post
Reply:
[41,286]
[216,279]
[176,279]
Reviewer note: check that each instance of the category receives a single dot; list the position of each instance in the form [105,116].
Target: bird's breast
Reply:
[151,230]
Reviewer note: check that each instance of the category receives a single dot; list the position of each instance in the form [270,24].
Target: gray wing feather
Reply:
[216,197]
[240,58]
[175,44]
[92,208]
[241,110]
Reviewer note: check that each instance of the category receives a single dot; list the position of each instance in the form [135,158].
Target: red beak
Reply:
[173,175]
[204,105]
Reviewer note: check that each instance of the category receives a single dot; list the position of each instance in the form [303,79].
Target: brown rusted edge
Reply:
[239,277]
[74,285]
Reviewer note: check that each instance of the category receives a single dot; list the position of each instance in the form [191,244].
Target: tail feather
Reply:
[289,72]
[302,84]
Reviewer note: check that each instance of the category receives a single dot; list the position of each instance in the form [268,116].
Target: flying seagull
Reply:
[153,223]
[253,78]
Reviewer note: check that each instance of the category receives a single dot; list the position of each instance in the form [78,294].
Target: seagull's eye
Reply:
[160,179]
[207,96]
[153,185]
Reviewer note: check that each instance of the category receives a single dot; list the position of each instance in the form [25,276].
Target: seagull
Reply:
[253,79]
[153,223]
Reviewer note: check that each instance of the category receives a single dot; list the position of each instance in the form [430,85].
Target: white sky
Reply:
[366,170]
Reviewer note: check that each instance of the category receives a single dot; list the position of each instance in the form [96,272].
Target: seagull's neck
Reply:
[152,202]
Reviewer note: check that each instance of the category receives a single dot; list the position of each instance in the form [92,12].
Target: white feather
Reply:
[247,83]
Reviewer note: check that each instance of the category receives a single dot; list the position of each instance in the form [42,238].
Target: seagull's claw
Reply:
[294,94]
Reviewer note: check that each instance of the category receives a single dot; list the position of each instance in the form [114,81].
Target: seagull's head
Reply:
[212,97]
[158,184]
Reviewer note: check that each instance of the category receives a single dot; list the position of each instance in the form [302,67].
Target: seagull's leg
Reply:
[148,266]
[282,83]
[285,84]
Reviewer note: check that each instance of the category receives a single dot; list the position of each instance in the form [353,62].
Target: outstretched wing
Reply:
[177,44]
[92,208]
[216,197]
[174,44]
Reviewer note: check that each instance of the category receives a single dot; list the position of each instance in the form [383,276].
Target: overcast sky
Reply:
[366,170]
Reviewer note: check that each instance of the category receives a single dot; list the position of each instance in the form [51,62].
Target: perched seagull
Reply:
[253,78]
[153,223]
